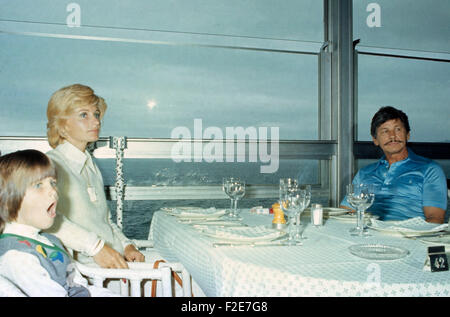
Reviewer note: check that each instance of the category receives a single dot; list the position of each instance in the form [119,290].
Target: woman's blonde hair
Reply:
[63,102]
[18,171]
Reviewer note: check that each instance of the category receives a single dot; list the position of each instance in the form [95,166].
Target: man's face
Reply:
[391,137]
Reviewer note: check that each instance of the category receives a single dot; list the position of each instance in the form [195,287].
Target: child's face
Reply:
[38,207]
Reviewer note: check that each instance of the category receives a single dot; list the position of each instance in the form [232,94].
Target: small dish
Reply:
[378,251]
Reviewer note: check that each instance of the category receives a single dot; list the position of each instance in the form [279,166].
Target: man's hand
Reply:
[110,258]
[132,254]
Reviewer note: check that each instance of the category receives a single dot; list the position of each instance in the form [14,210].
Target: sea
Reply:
[137,214]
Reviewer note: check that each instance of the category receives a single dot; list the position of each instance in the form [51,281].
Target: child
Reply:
[35,262]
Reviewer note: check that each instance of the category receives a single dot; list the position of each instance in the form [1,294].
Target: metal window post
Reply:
[338,19]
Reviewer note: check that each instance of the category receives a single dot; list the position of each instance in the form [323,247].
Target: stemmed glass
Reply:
[306,196]
[287,184]
[235,189]
[291,201]
[225,182]
[361,197]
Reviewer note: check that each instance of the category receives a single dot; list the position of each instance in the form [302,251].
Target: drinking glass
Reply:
[291,202]
[361,197]
[225,188]
[287,184]
[235,189]
[305,191]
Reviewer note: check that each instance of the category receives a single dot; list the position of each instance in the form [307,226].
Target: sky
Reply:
[152,88]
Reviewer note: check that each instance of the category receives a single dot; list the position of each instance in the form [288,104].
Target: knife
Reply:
[253,245]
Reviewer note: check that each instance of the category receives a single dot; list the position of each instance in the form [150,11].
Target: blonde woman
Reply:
[74,115]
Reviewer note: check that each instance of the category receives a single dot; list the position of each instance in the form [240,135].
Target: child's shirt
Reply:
[37,263]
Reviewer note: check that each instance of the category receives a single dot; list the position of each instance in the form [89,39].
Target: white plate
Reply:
[352,217]
[243,234]
[378,251]
[330,211]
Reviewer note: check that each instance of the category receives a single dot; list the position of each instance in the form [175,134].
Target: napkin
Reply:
[181,211]
[196,211]
[243,233]
[413,225]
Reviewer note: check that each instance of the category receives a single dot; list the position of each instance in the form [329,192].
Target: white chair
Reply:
[152,256]
[135,281]
[131,279]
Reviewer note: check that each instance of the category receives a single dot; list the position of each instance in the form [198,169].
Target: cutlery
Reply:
[253,244]
[280,241]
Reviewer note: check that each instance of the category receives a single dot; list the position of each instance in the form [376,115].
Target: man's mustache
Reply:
[398,141]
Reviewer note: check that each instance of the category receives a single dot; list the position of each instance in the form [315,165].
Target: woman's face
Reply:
[82,126]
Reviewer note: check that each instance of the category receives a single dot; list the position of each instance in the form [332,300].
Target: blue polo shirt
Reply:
[402,190]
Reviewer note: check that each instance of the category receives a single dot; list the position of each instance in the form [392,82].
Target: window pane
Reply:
[165,172]
[419,88]
[152,89]
[287,19]
[405,24]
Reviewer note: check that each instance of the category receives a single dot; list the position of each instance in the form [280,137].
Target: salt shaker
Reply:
[316,215]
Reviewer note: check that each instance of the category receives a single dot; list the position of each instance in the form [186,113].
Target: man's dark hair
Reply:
[385,114]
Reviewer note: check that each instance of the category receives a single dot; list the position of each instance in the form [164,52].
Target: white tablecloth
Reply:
[322,266]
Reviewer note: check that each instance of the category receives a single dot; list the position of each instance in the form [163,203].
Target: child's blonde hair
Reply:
[63,102]
[18,171]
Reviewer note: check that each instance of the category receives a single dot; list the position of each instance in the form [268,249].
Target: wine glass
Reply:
[306,199]
[235,189]
[291,201]
[287,184]
[361,197]
[225,188]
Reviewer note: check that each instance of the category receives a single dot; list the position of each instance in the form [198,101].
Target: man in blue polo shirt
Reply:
[406,185]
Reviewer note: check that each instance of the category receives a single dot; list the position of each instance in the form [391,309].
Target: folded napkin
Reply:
[243,233]
[195,211]
[413,225]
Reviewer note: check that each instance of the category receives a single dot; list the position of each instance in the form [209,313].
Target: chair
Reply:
[133,282]
[153,256]
[130,279]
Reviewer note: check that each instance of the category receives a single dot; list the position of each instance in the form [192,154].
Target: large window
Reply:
[152,89]
[404,61]
[403,24]
[418,87]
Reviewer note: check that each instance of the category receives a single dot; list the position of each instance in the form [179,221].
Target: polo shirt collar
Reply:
[76,159]
[411,157]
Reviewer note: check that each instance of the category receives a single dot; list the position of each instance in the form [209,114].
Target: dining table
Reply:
[323,264]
